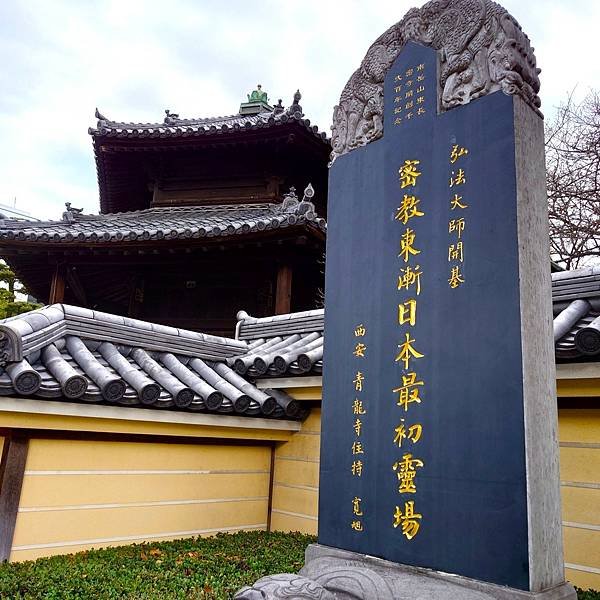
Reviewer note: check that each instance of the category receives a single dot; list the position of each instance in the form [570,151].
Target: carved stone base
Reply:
[334,574]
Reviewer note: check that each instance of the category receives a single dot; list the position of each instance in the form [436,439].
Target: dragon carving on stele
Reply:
[481,49]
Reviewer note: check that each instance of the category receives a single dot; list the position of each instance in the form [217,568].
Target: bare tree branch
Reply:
[573,181]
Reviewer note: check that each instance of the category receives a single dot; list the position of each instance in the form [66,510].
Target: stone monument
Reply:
[439,458]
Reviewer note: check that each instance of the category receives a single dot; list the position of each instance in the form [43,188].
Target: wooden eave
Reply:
[289,133]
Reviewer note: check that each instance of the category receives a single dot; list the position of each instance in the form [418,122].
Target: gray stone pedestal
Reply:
[334,574]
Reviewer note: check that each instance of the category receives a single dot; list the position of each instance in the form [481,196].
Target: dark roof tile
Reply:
[164,223]
[196,127]
[78,354]
[292,344]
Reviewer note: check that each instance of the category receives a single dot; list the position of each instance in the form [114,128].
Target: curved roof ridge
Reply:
[30,327]
[176,126]
[172,122]
[304,322]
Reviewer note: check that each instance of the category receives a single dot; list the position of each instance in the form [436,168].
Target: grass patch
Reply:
[195,568]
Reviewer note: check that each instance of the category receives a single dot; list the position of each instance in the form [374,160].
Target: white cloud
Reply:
[134,59]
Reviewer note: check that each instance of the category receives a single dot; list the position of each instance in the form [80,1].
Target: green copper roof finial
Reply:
[258,101]
[258,95]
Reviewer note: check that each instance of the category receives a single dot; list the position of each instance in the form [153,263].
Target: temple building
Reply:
[197,218]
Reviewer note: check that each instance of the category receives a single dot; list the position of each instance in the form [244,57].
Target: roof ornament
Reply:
[170,117]
[291,204]
[101,118]
[258,95]
[290,200]
[258,102]
[70,214]
[309,193]
[295,107]
[11,346]
[278,109]
[307,204]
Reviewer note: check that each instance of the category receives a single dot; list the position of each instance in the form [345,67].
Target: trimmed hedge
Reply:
[589,595]
[195,568]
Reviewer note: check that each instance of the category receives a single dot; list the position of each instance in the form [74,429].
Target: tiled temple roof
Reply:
[576,302]
[291,344]
[76,354]
[173,126]
[73,353]
[166,223]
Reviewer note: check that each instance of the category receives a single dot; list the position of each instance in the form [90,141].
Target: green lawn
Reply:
[200,568]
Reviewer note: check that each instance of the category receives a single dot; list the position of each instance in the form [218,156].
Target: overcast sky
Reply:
[133,59]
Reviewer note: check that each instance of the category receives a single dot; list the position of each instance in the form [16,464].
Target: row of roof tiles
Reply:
[75,368]
[198,127]
[166,223]
[68,352]
[576,302]
[576,306]
[73,353]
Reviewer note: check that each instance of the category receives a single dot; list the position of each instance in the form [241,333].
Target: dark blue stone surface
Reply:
[471,491]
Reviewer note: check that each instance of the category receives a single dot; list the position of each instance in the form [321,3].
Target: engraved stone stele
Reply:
[481,49]
[487,499]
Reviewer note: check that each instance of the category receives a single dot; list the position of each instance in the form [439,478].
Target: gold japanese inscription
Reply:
[408,209]
[457,178]
[407,248]
[456,226]
[412,433]
[359,350]
[360,331]
[408,173]
[409,520]
[407,312]
[456,278]
[456,202]
[358,381]
[357,468]
[410,277]
[357,427]
[358,408]
[456,152]
[408,392]
[406,471]
[357,448]
[455,252]
[407,351]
